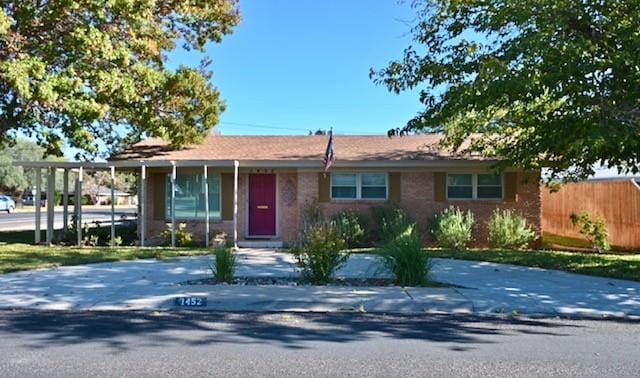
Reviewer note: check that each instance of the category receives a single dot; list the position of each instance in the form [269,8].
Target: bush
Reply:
[184,238]
[452,228]
[392,223]
[319,256]
[350,226]
[225,264]
[594,229]
[406,259]
[509,230]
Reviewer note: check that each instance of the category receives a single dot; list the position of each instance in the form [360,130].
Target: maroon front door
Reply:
[262,205]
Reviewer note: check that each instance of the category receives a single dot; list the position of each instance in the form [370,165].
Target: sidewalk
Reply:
[152,284]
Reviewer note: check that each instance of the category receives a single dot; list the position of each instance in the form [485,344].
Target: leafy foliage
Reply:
[351,227]
[594,229]
[225,264]
[76,70]
[452,228]
[14,178]
[319,256]
[541,83]
[393,223]
[509,230]
[184,238]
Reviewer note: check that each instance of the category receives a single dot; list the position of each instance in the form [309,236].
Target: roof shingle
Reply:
[296,147]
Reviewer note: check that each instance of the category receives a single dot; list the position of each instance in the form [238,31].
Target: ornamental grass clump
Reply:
[405,258]
[452,228]
[319,254]
[224,266]
[509,231]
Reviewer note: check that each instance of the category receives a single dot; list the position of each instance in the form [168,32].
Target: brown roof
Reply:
[295,147]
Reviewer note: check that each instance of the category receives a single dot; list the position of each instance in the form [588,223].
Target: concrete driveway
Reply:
[481,288]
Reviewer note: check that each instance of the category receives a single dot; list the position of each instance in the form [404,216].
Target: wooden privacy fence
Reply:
[617,201]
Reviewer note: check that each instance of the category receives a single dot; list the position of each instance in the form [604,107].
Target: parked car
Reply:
[7,204]
[27,200]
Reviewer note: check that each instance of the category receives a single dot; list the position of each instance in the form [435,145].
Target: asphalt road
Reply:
[25,220]
[64,344]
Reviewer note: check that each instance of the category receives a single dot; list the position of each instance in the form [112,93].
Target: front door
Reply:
[262,205]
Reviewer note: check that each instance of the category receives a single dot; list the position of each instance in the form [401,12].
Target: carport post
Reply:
[235,203]
[173,205]
[36,203]
[206,208]
[113,207]
[51,202]
[78,206]
[142,189]
[65,200]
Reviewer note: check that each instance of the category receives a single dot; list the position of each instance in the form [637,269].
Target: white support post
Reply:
[113,207]
[51,202]
[65,200]
[143,195]
[206,207]
[235,203]
[78,206]
[173,205]
[36,203]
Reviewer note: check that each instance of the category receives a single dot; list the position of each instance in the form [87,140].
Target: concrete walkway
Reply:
[153,284]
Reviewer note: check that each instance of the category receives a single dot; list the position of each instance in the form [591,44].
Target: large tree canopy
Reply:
[85,70]
[541,83]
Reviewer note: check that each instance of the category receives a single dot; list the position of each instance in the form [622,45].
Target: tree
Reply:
[15,179]
[83,70]
[540,83]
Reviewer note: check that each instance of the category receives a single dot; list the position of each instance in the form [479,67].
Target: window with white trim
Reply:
[367,186]
[474,186]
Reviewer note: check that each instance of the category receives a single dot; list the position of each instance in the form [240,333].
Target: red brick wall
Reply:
[417,198]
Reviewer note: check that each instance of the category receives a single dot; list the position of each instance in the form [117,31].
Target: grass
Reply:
[594,264]
[18,256]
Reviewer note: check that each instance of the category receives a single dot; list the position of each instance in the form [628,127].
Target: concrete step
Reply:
[260,244]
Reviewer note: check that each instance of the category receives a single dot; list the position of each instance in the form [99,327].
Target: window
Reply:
[359,186]
[489,186]
[474,186]
[190,199]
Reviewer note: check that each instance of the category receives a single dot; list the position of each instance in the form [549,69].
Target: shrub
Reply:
[319,256]
[406,259]
[350,226]
[225,264]
[594,229]
[392,223]
[509,230]
[452,228]
[184,238]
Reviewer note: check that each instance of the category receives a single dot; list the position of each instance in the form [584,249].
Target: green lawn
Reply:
[17,256]
[606,265]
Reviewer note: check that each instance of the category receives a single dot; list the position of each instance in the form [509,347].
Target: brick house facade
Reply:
[369,171]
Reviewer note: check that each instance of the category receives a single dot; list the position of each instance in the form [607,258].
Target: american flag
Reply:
[329,157]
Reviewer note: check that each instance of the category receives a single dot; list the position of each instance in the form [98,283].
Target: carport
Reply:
[140,167]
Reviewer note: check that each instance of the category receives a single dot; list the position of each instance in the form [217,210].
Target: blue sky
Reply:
[294,66]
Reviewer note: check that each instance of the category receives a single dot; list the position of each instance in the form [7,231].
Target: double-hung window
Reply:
[190,196]
[366,186]
[474,186]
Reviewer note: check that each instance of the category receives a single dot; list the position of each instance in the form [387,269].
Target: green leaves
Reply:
[538,83]
[74,71]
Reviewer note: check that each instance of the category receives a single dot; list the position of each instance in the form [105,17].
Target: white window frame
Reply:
[203,218]
[474,187]
[358,196]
